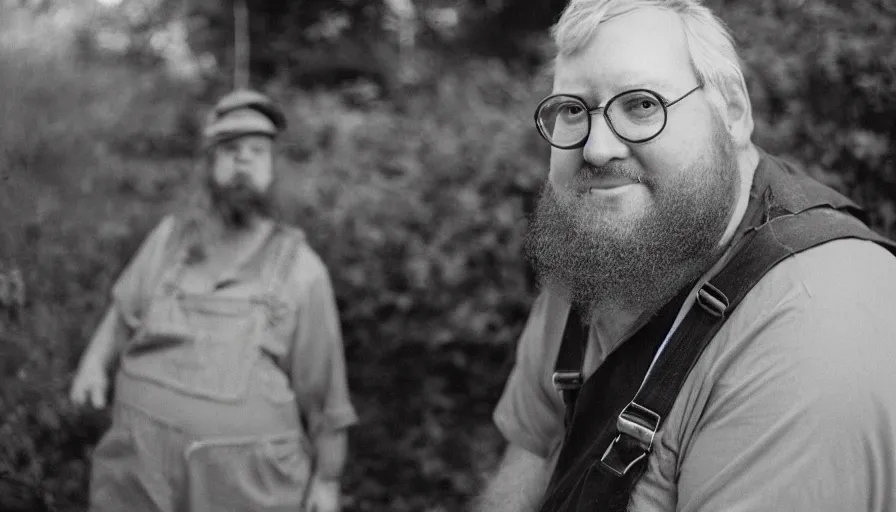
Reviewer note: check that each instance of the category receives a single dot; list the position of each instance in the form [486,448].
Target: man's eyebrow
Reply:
[658,85]
[661,86]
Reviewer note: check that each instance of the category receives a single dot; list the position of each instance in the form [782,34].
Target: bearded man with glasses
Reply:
[714,329]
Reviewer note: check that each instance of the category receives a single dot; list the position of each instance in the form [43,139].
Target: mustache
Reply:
[612,169]
[239,180]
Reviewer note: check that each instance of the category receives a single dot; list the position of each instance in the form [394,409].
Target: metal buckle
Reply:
[638,423]
[564,381]
[712,300]
[619,467]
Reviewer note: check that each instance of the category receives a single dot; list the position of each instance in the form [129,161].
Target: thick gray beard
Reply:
[597,262]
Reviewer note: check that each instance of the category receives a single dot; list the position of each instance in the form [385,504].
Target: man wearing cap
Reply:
[231,393]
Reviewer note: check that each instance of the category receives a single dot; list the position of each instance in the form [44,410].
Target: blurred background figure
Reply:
[231,393]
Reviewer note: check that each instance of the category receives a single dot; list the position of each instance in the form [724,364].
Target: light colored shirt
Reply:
[792,406]
[304,342]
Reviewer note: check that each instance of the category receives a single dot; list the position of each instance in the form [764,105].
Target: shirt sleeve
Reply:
[802,419]
[530,413]
[317,360]
[131,289]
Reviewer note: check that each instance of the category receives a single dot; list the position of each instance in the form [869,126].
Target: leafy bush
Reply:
[419,209]
[821,75]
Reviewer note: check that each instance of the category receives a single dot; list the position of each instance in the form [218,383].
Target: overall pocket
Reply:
[267,474]
[129,469]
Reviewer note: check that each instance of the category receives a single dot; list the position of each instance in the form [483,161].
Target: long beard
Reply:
[597,260]
[238,202]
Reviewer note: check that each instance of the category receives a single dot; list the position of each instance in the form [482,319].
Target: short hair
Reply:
[711,47]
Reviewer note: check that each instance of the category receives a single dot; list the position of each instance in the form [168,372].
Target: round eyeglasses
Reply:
[634,116]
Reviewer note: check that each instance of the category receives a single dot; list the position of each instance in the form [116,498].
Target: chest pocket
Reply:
[207,345]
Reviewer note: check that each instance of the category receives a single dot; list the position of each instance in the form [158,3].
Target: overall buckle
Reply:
[712,300]
[637,427]
[567,380]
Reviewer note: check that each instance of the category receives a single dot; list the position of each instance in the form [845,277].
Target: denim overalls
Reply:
[204,420]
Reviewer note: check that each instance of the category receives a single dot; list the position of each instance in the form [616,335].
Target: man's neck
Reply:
[220,230]
[747,161]
[613,324]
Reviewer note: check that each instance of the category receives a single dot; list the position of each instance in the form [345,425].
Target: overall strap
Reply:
[277,268]
[568,375]
[602,396]
[761,249]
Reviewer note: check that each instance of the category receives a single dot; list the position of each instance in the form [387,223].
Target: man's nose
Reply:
[602,144]
[243,153]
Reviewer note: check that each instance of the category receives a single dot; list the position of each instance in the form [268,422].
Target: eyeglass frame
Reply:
[663,102]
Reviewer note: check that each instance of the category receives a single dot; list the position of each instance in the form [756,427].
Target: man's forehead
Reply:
[248,139]
[642,48]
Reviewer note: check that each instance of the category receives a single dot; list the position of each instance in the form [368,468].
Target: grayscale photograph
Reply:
[447,255]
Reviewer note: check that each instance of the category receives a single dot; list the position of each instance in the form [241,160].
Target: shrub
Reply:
[419,210]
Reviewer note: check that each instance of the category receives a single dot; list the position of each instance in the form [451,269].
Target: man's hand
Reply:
[323,496]
[90,383]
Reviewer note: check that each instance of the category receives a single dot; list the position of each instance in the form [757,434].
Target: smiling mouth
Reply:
[609,183]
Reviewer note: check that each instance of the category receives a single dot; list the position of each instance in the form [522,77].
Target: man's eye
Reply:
[642,105]
[570,110]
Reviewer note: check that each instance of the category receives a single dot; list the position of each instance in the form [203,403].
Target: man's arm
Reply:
[330,449]
[801,412]
[529,415]
[518,485]
[91,381]
[317,366]
[120,321]
[107,340]
[319,379]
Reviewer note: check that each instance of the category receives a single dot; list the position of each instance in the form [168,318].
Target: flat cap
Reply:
[243,112]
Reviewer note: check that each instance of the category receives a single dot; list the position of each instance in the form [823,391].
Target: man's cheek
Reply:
[563,166]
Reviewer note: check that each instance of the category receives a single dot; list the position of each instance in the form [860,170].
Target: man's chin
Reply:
[579,293]
[607,219]
[237,220]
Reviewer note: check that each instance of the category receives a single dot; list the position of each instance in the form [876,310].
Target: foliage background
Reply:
[411,162]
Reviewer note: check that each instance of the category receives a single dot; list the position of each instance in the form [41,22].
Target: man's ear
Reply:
[737,111]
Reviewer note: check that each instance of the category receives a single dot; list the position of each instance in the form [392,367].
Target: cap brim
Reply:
[240,122]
